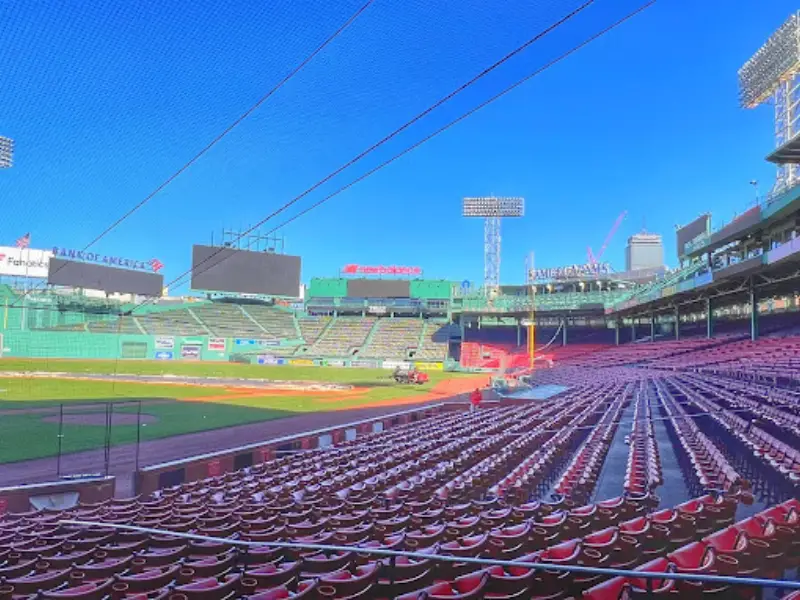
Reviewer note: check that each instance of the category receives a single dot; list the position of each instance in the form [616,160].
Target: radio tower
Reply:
[772,75]
[492,209]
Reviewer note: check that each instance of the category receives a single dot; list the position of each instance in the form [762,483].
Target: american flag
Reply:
[156,265]
[24,241]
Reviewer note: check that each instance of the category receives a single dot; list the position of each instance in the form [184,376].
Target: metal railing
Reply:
[649,576]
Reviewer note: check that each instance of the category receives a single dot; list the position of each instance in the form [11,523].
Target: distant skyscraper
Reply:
[644,251]
[6,152]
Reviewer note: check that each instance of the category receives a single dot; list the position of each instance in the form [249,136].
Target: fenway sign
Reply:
[380,270]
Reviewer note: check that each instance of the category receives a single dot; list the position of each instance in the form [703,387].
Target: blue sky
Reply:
[105,100]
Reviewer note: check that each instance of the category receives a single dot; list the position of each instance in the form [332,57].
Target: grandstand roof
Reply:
[731,284]
[789,153]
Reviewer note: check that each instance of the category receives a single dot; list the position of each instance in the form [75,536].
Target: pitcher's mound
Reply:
[99,419]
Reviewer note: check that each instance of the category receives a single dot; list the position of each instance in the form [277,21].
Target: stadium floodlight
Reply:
[772,73]
[6,152]
[492,209]
[492,206]
[775,62]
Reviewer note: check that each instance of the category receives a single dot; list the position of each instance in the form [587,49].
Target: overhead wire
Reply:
[361,155]
[188,164]
[439,131]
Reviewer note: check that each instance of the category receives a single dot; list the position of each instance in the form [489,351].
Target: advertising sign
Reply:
[394,364]
[429,366]
[267,359]
[301,362]
[153,264]
[364,364]
[24,262]
[190,351]
[164,355]
[335,362]
[165,343]
[570,272]
[256,343]
[217,344]
[355,269]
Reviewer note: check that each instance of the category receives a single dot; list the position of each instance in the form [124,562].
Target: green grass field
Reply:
[25,435]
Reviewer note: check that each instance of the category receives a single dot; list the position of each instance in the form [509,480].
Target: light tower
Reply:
[492,209]
[6,152]
[772,74]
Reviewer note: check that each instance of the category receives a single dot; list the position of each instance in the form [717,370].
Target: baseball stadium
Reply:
[375,433]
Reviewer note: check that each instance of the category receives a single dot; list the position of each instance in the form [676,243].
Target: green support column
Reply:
[677,323]
[709,320]
[633,330]
[519,335]
[652,327]
[753,312]
[564,332]
[616,333]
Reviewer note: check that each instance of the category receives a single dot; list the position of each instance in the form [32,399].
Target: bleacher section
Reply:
[225,319]
[435,341]
[279,324]
[343,337]
[312,327]
[171,322]
[125,324]
[393,338]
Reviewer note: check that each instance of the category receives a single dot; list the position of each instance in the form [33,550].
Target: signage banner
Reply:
[165,343]
[355,269]
[335,362]
[570,272]
[395,364]
[301,362]
[258,343]
[429,366]
[164,355]
[364,364]
[377,310]
[267,359]
[217,344]
[153,264]
[24,262]
[190,351]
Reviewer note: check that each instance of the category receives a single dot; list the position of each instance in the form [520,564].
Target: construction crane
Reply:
[594,259]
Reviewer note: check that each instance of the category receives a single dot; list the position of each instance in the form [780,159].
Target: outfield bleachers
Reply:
[435,341]
[393,338]
[343,337]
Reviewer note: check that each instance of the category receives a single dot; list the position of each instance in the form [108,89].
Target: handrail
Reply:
[562,568]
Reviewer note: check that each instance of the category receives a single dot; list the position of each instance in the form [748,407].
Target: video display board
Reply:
[689,232]
[245,272]
[378,288]
[108,279]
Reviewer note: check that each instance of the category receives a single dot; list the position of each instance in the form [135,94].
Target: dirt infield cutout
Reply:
[98,419]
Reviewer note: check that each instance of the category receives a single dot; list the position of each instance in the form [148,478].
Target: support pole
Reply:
[709,320]
[677,324]
[753,311]
[633,329]
[652,327]
[564,332]
[616,333]
[491,254]
[60,438]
